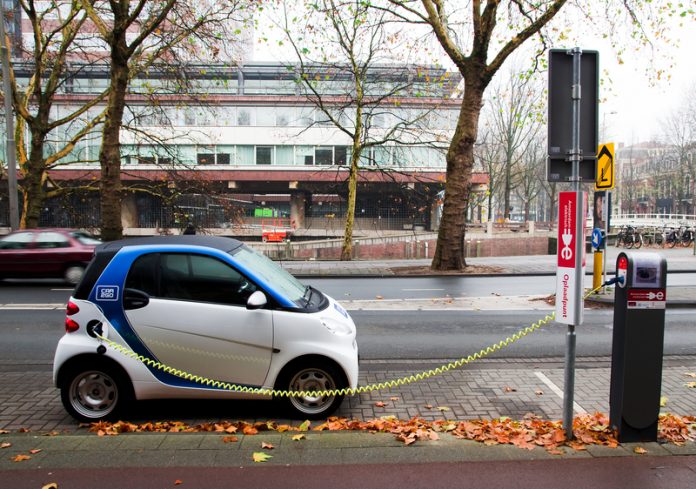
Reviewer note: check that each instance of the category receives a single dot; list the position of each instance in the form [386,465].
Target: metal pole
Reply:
[575,157]
[10,147]
[607,216]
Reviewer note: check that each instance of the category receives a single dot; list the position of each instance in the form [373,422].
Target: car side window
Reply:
[52,240]
[202,278]
[143,274]
[17,241]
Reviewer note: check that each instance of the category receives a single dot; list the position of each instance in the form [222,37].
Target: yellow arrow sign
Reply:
[606,174]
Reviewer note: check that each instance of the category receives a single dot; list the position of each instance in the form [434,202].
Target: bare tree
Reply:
[528,182]
[514,109]
[46,67]
[355,42]
[469,37]
[138,34]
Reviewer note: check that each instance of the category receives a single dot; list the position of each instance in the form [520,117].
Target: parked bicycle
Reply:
[629,237]
[686,236]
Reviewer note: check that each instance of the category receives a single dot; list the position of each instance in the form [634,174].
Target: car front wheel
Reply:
[93,393]
[315,378]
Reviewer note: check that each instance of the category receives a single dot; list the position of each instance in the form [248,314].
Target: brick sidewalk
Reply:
[488,389]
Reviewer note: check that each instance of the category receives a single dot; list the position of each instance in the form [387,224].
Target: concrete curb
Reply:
[317,448]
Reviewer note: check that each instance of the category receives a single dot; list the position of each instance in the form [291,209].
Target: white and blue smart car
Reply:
[208,306]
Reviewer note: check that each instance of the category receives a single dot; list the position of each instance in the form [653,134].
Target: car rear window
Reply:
[91,275]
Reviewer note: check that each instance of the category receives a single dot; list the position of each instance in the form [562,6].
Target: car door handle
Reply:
[135,299]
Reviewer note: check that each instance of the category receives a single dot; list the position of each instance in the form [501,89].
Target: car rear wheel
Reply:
[73,274]
[311,376]
[93,393]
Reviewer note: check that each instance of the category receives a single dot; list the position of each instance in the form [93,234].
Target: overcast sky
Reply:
[635,105]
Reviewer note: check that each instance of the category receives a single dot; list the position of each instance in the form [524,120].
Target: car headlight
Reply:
[336,327]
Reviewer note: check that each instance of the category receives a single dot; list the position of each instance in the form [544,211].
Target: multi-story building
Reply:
[237,143]
[655,178]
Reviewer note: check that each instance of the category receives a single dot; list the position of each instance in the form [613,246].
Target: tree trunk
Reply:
[32,183]
[110,152]
[449,253]
[347,249]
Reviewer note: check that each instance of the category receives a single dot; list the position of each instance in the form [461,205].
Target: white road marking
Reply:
[576,407]
[418,290]
[31,307]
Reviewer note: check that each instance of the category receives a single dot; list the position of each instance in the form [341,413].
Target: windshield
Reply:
[270,272]
[85,238]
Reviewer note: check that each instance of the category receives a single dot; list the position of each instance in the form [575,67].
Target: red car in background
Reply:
[46,253]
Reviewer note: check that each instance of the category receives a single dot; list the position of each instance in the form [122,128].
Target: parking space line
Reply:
[576,407]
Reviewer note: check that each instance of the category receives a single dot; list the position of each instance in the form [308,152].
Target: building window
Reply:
[205,158]
[265,116]
[304,155]
[264,155]
[244,116]
[324,155]
[284,116]
[340,155]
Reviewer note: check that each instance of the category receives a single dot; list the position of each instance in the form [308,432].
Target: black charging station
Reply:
[639,328]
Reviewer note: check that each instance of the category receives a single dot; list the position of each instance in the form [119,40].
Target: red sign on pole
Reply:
[567,246]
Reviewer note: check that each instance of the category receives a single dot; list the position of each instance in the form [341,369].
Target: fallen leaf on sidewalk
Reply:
[663,401]
[298,437]
[51,433]
[443,408]
[5,444]
[304,426]
[229,439]
[178,482]
[3,432]
[691,374]
[267,446]
[35,451]
[50,485]
[510,389]
[428,406]
[691,385]
[379,297]
[250,430]
[539,393]
[380,404]
[260,456]
[640,450]
[20,458]
[23,430]
[394,399]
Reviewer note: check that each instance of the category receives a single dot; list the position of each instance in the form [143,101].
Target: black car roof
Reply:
[217,242]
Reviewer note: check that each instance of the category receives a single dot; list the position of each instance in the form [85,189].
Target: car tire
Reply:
[94,391]
[311,375]
[73,274]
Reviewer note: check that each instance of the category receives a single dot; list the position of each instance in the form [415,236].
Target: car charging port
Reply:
[94,328]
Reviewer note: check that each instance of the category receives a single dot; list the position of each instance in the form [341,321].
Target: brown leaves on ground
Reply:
[528,433]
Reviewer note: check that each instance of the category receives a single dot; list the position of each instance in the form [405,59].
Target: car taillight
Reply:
[72,308]
[71,326]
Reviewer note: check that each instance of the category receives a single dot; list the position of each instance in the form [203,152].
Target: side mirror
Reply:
[256,300]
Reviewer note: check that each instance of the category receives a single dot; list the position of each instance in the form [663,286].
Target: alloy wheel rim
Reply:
[93,394]
[308,380]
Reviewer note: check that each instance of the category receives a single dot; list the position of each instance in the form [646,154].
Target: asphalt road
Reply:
[30,337]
